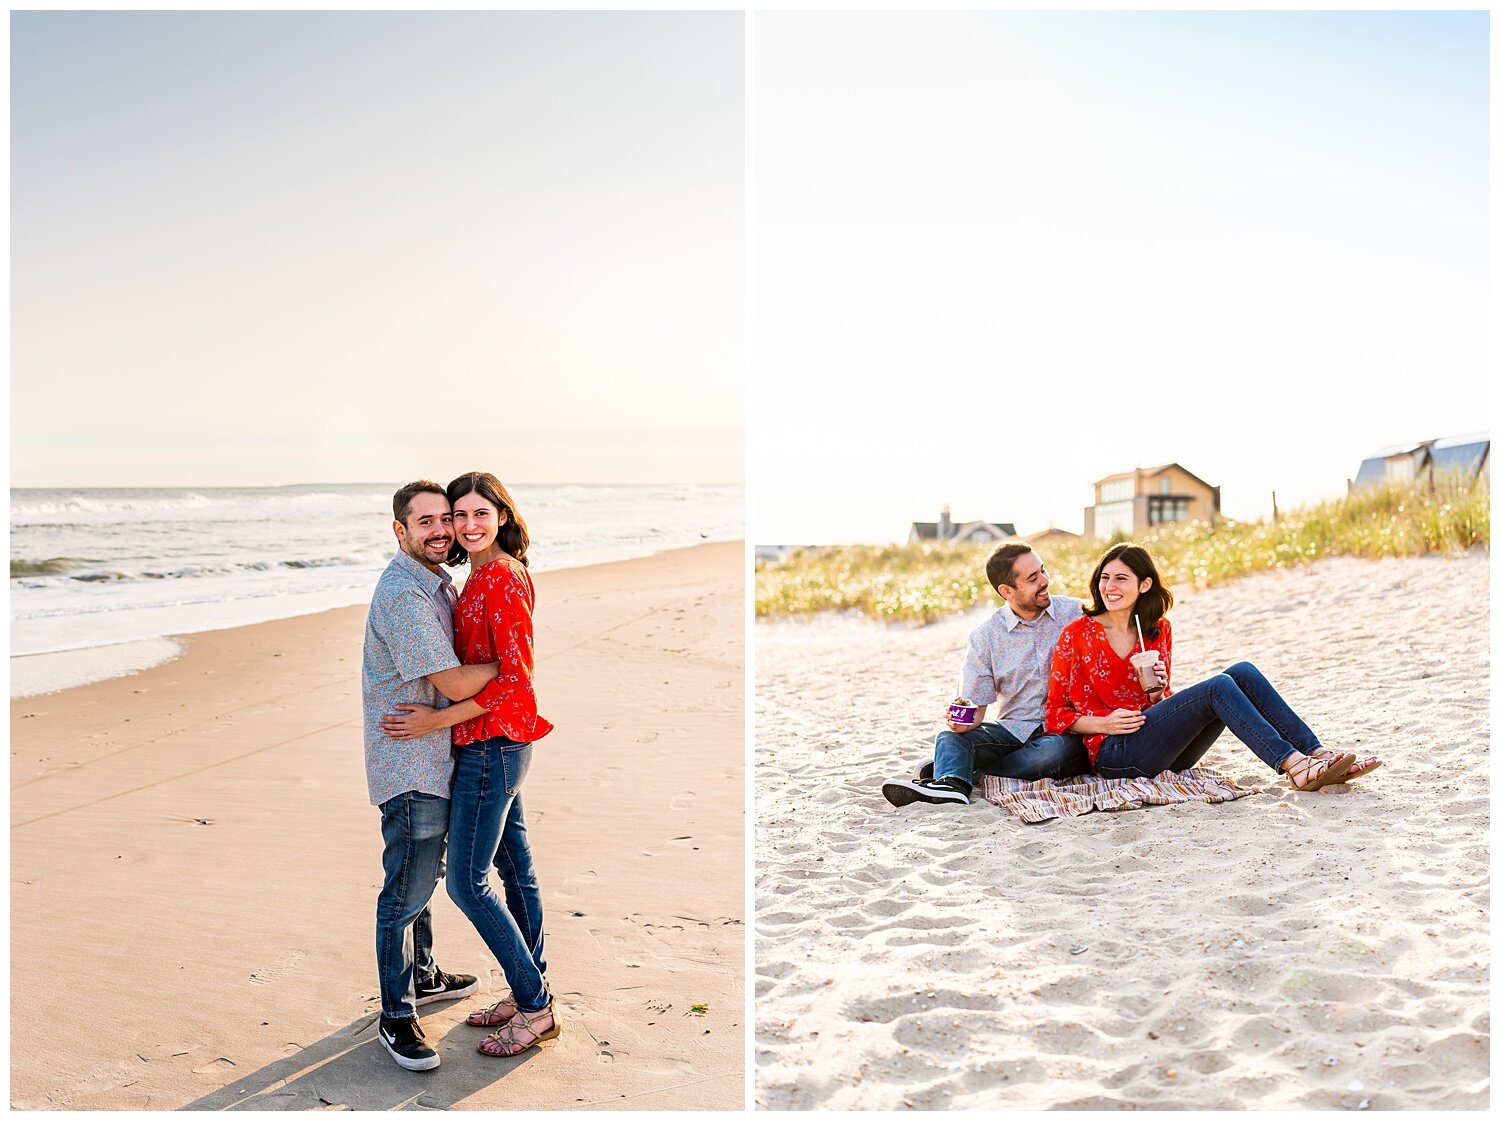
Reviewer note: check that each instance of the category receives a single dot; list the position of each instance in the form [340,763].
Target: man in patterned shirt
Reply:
[409,659]
[1009,661]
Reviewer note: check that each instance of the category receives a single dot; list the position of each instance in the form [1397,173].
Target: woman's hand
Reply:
[1121,722]
[1160,669]
[414,722]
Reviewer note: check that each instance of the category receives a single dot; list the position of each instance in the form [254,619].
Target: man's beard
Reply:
[418,551]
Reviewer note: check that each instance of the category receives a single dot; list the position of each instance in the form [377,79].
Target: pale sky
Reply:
[999,256]
[266,248]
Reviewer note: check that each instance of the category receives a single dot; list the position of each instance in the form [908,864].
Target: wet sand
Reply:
[194,868]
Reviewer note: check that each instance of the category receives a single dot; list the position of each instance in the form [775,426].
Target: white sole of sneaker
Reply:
[452,994]
[903,792]
[409,1064]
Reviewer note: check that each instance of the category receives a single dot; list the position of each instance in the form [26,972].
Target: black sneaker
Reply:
[403,1039]
[904,791]
[444,986]
[926,772]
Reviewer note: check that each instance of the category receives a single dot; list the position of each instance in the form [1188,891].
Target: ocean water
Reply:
[100,567]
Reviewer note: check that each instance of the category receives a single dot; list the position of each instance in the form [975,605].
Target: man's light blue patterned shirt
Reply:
[408,635]
[1010,660]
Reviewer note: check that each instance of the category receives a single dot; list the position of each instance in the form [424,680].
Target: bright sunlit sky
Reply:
[264,248]
[999,256]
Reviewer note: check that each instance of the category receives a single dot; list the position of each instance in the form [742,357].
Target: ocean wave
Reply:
[127,508]
[52,566]
[56,507]
[63,569]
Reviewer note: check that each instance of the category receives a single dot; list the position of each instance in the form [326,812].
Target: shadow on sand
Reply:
[349,1069]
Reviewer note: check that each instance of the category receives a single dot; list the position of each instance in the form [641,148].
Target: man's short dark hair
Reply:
[1001,567]
[401,503]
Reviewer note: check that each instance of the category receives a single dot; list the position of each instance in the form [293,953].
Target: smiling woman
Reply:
[1122,704]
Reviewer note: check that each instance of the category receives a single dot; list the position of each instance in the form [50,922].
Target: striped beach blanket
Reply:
[1049,798]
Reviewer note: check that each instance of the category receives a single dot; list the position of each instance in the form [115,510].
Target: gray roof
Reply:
[927,531]
[1463,458]
[1371,472]
[1465,455]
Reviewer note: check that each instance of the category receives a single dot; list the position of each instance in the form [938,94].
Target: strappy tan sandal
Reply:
[1361,766]
[503,1011]
[504,1044]
[1323,773]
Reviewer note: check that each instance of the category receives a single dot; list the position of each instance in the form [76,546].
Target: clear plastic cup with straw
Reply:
[1144,661]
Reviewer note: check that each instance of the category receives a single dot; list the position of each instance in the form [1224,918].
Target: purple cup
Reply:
[962,712]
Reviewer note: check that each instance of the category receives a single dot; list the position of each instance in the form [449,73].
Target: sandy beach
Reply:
[194,866]
[1325,950]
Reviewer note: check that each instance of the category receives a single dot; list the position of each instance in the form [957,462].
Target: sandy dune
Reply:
[194,868]
[1285,950]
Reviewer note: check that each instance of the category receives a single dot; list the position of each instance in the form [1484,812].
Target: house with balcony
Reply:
[1133,501]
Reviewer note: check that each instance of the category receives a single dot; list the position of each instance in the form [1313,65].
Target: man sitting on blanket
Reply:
[1009,660]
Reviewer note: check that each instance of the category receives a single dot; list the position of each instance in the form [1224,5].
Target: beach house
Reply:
[1466,457]
[1051,537]
[946,529]
[1133,501]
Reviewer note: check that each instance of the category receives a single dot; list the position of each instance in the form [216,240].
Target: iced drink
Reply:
[1144,663]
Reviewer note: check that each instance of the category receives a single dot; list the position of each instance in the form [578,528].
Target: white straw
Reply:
[1139,632]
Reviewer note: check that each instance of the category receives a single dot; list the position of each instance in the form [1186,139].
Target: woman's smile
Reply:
[477,523]
[1119,587]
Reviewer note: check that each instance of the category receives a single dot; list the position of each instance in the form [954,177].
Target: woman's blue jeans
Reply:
[486,827]
[1179,730]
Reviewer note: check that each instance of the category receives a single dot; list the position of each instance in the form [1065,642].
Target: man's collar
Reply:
[428,578]
[1012,620]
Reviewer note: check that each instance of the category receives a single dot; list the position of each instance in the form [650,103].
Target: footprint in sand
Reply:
[1209,1062]
[1248,905]
[286,964]
[929,938]
[780,970]
[885,1010]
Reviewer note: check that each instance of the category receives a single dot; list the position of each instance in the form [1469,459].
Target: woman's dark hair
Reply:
[1155,601]
[512,536]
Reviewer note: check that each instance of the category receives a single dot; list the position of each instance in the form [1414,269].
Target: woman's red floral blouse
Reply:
[493,623]
[1090,679]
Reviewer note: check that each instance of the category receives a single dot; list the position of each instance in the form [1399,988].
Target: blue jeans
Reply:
[415,829]
[992,750]
[487,828]
[1179,730]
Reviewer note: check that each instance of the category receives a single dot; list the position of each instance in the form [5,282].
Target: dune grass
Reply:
[930,581]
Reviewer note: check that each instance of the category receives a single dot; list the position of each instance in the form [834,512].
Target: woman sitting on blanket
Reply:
[1132,732]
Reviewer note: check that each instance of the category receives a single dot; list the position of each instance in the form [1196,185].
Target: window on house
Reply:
[1110,517]
[1161,510]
